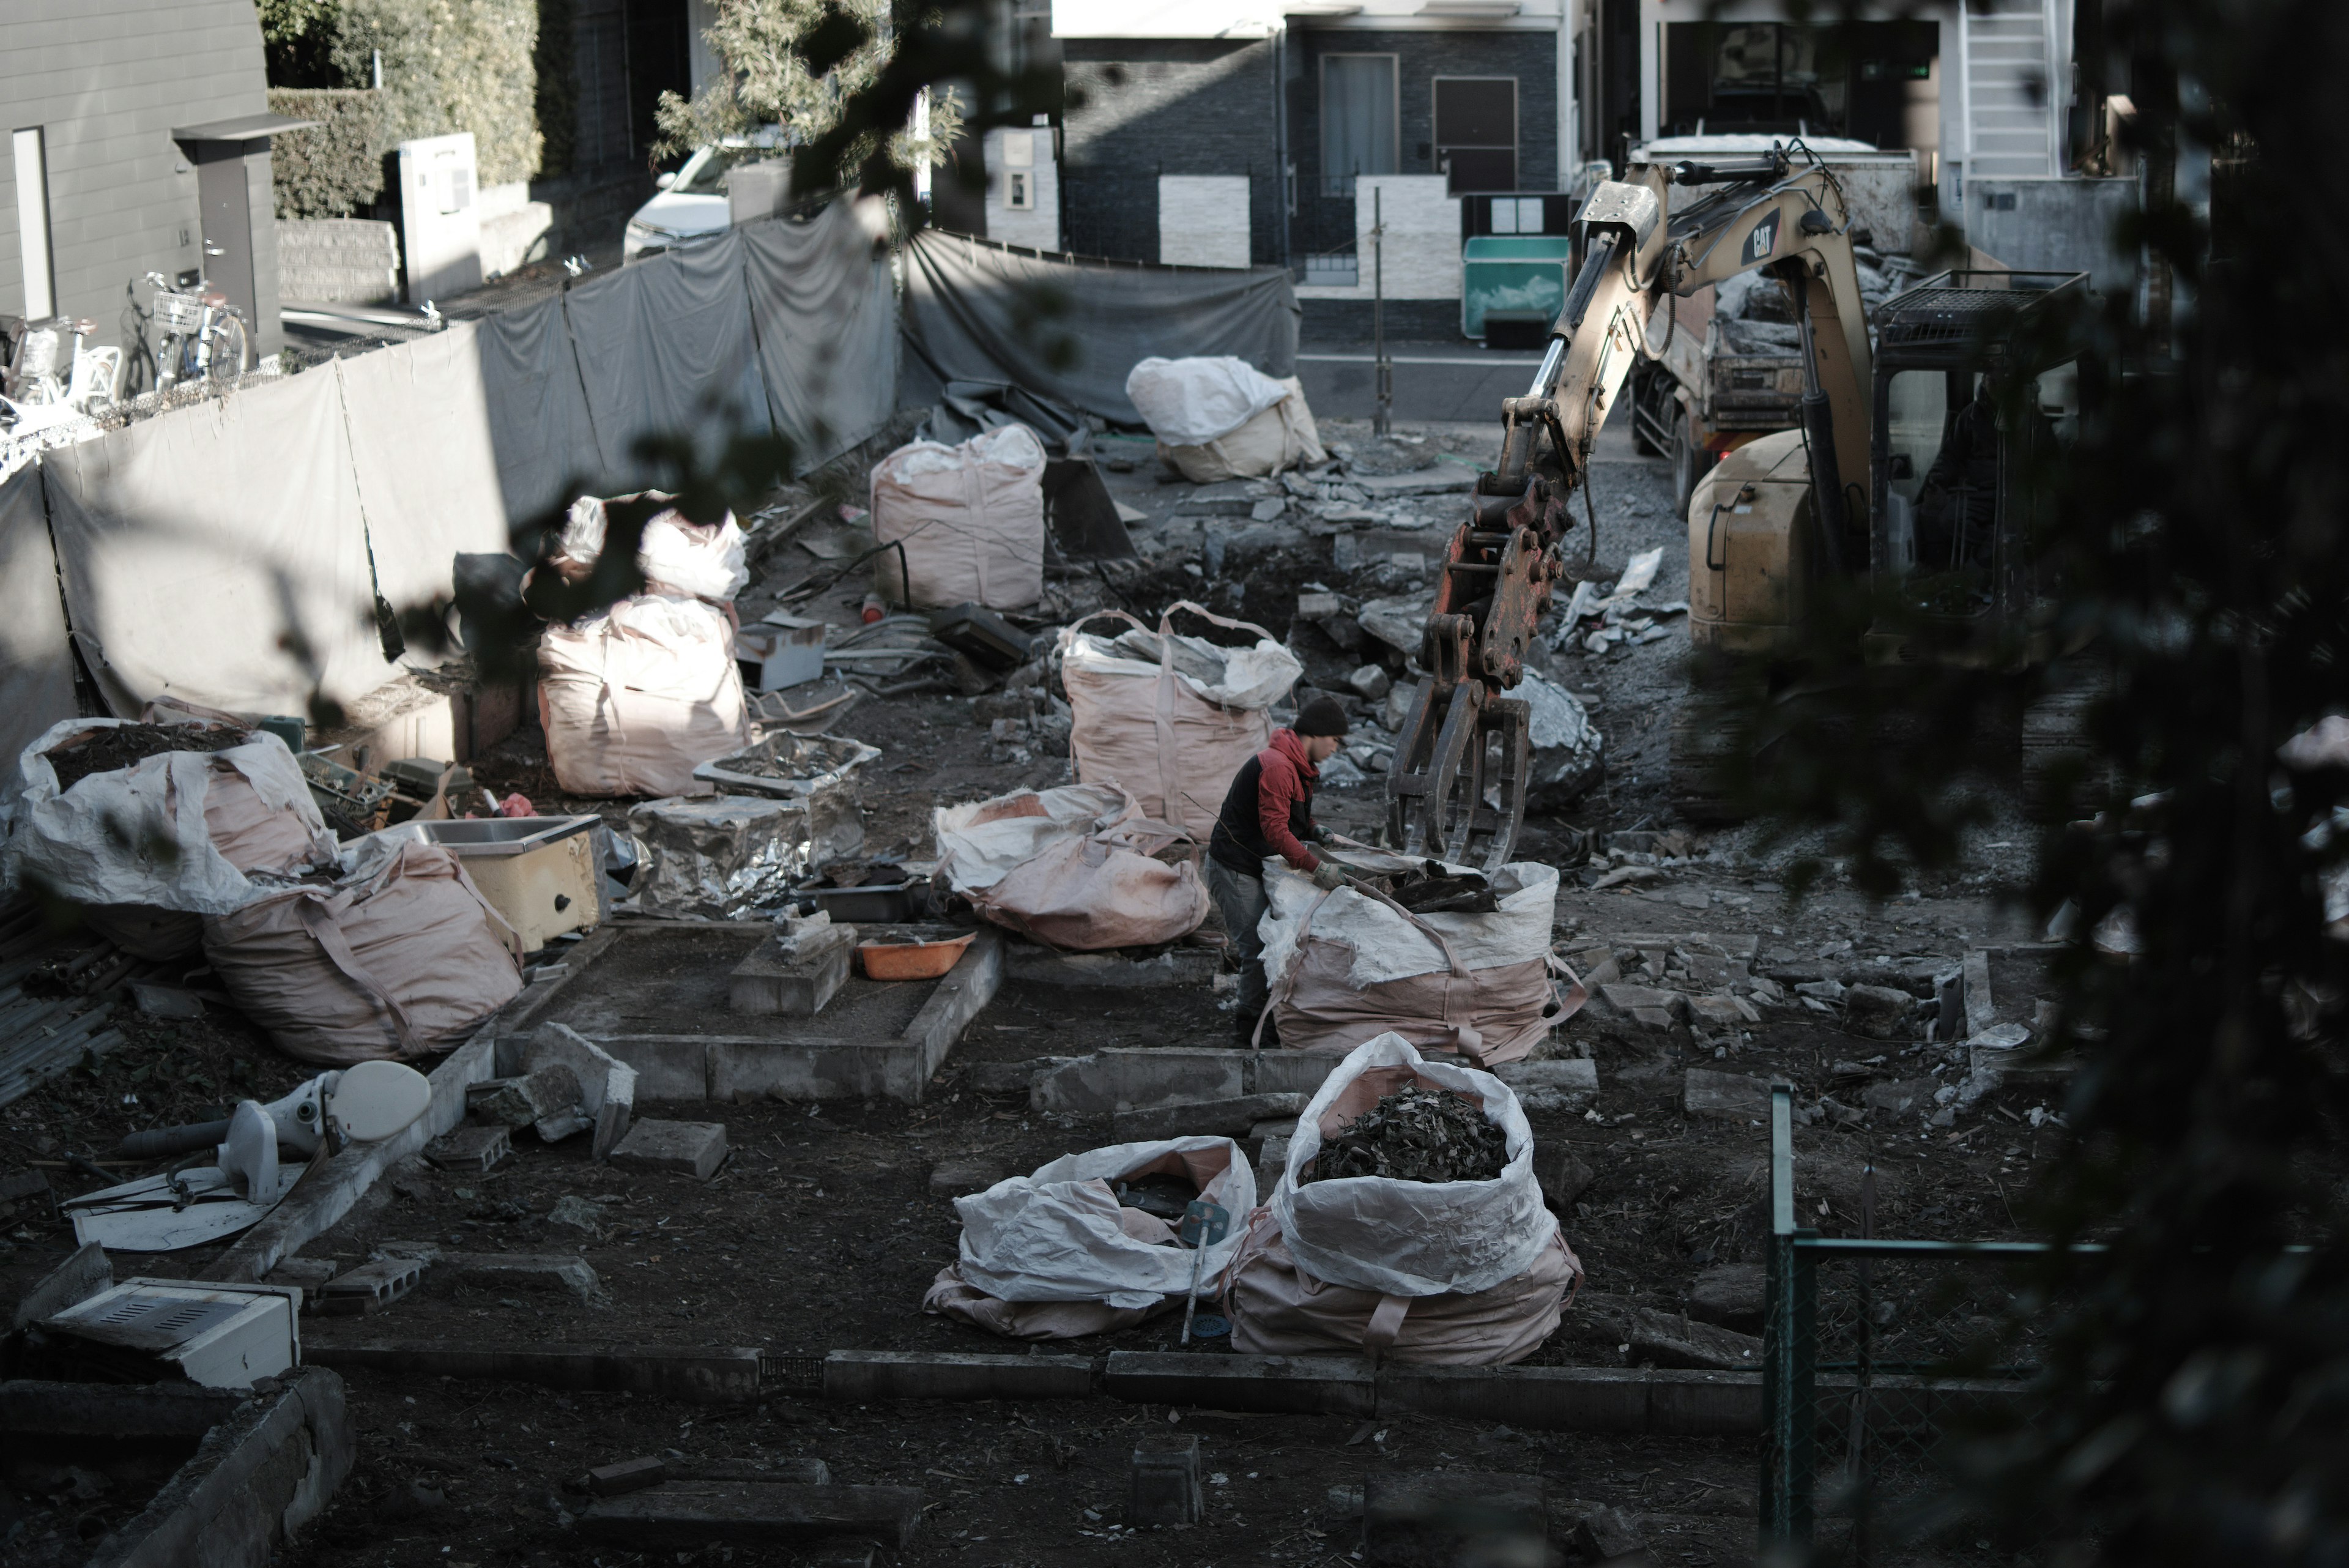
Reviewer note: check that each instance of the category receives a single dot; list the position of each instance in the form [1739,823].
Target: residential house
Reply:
[139,143]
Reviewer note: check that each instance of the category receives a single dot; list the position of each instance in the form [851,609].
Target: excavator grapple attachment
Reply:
[1456,788]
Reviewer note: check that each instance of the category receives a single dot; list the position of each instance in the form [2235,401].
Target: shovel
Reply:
[1203,1225]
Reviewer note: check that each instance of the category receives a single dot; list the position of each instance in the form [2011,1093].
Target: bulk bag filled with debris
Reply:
[1451,1261]
[970,519]
[1073,867]
[677,555]
[1223,419]
[1168,716]
[150,826]
[634,698]
[1347,965]
[1058,1255]
[400,958]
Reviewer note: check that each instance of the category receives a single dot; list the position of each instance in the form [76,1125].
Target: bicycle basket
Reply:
[178,312]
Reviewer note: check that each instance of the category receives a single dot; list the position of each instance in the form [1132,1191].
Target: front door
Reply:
[227,209]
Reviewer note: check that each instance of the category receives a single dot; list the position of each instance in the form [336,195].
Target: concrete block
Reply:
[627,1476]
[471,1149]
[607,1085]
[1226,1118]
[1730,1095]
[1566,1084]
[797,983]
[666,1517]
[82,1276]
[1050,966]
[1564,1176]
[370,1287]
[686,1149]
[1290,1383]
[520,1272]
[867,1376]
[667,1066]
[1291,1072]
[696,1374]
[1163,1482]
[165,1000]
[1007,1077]
[1124,1079]
[1436,1519]
[1633,1000]
[965,1174]
[1724,1011]
[307,1274]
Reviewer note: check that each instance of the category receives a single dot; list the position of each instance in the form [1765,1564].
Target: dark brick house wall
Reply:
[1164,106]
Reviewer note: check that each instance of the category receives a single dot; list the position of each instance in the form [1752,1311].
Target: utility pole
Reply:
[1385,371]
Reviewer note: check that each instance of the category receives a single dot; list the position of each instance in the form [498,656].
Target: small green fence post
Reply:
[1790,1351]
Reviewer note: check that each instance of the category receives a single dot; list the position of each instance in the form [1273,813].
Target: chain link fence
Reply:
[1880,1355]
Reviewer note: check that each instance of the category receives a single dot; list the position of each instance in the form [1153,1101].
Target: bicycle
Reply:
[48,365]
[205,337]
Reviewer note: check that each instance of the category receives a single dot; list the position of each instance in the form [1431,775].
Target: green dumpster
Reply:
[1512,281]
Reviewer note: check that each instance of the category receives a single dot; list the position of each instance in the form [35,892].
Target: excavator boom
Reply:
[1456,786]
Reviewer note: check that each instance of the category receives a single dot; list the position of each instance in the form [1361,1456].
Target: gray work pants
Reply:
[1241,899]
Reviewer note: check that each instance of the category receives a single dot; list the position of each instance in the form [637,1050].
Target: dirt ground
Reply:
[821,1232]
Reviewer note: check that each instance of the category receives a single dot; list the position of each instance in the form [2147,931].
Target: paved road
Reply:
[1431,380]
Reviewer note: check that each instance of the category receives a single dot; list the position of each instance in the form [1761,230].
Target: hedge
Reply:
[336,169]
[451,65]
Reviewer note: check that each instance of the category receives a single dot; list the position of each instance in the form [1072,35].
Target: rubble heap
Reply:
[1416,1135]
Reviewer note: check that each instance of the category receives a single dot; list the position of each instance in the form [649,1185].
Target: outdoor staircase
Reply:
[2010,91]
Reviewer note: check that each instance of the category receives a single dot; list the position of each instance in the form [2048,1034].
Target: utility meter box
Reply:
[439,216]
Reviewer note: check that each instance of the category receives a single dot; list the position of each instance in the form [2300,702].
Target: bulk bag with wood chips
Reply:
[1462,1273]
[149,849]
[1074,867]
[695,560]
[1056,1256]
[634,698]
[402,957]
[1170,717]
[970,519]
[1347,965]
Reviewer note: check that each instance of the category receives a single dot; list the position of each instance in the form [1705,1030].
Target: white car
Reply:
[692,205]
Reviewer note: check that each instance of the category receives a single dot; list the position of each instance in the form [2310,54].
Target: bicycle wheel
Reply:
[232,353]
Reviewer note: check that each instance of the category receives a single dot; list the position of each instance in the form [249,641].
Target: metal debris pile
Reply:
[1432,890]
[1416,1135]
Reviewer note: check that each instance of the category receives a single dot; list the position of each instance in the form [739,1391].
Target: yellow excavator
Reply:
[1899,467]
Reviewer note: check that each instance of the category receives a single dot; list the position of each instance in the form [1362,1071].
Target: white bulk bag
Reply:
[1344,966]
[635,697]
[1169,718]
[1221,419]
[1073,867]
[1410,1237]
[1061,1235]
[176,831]
[970,519]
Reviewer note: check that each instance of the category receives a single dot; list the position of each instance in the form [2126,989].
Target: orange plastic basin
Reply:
[911,960]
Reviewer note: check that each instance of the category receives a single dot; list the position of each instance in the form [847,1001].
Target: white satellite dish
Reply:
[153,1215]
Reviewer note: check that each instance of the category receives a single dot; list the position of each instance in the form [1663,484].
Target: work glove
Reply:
[1328,878]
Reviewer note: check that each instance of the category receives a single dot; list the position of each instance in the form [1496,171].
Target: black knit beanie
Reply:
[1320,716]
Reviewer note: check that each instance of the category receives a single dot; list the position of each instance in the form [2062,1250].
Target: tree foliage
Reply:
[799,64]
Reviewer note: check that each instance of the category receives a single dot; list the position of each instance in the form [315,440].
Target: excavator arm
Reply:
[1456,786]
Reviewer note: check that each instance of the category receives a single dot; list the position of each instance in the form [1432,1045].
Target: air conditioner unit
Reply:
[148,1331]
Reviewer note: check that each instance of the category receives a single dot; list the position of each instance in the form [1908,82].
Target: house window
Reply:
[1018,189]
[1476,132]
[1359,120]
[32,225]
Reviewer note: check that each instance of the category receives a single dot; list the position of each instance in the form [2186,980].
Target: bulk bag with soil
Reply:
[1168,716]
[1347,965]
[402,957]
[1056,1255]
[635,697]
[148,826]
[971,518]
[677,555]
[1459,1273]
[1077,867]
[1219,418]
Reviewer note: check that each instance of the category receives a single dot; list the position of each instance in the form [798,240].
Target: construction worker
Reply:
[1269,811]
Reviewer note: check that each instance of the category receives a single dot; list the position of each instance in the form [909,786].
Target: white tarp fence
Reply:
[218,554]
